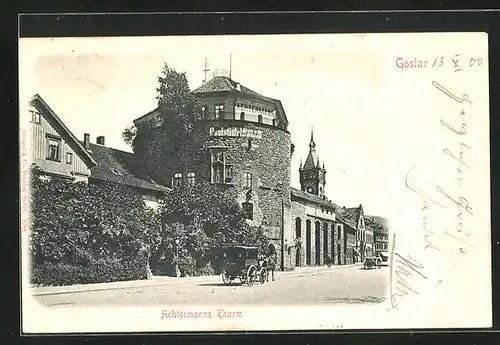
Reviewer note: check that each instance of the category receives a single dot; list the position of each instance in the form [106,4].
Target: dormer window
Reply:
[219,111]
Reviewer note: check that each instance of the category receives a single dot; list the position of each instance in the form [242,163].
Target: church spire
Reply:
[312,144]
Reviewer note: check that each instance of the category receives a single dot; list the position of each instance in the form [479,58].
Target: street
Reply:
[344,285]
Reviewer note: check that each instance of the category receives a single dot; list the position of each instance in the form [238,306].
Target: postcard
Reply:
[255,182]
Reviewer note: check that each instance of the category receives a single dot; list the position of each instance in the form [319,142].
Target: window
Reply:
[221,173]
[248,210]
[69,158]
[203,112]
[247,180]
[219,111]
[35,115]
[54,148]
[274,122]
[150,197]
[177,179]
[242,116]
[260,118]
[191,178]
[229,173]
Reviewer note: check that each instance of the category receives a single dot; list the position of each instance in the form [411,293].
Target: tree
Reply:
[178,109]
[204,217]
[86,227]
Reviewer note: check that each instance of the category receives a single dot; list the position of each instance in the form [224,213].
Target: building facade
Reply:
[58,153]
[380,231]
[53,147]
[240,142]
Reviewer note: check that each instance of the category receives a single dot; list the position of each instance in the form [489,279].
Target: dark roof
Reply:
[64,131]
[118,166]
[352,213]
[312,198]
[377,223]
[312,160]
[146,115]
[346,221]
[225,84]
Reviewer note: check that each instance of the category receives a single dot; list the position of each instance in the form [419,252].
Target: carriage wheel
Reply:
[262,276]
[226,278]
[251,275]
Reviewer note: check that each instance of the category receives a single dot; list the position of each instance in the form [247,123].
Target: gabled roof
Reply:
[352,214]
[226,84]
[312,198]
[118,167]
[51,117]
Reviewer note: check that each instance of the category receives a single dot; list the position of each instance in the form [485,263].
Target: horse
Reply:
[270,263]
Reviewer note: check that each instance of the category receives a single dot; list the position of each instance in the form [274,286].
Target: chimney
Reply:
[100,140]
[86,140]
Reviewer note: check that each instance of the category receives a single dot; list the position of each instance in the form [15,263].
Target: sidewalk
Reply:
[162,281]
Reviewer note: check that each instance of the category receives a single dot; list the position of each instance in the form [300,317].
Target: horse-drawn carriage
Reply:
[372,262]
[241,262]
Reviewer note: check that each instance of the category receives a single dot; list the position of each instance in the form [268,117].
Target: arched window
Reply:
[325,242]
[177,179]
[308,242]
[242,116]
[203,112]
[317,239]
[260,118]
[191,177]
[298,226]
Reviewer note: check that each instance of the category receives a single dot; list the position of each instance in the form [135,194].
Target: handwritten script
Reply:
[447,203]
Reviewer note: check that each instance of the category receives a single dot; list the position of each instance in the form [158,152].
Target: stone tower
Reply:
[312,174]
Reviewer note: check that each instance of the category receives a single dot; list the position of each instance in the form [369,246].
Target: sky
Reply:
[345,87]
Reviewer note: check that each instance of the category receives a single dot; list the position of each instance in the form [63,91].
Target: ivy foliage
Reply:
[203,217]
[178,110]
[80,225]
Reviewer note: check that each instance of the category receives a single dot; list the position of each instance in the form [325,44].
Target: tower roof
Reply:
[312,160]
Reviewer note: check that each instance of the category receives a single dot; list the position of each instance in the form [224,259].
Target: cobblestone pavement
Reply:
[343,285]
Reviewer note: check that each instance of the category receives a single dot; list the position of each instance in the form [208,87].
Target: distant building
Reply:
[58,153]
[381,232]
[364,245]
[319,235]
